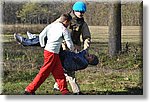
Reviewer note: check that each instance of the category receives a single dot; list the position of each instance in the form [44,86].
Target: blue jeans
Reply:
[28,42]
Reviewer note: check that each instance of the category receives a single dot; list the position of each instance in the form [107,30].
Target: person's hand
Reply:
[64,46]
[87,43]
[77,48]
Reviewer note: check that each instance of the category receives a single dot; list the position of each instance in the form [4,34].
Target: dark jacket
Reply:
[72,61]
[77,28]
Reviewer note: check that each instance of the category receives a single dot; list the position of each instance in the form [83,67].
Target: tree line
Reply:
[45,13]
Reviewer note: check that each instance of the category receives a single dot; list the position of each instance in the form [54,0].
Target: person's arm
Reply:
[42,36]
[68,40]
[86,35]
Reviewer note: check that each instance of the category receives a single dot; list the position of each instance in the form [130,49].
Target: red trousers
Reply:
[51,64]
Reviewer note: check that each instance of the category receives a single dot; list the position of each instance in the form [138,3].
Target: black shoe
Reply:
[78,93]
[28,93]
[69,93]
[55,89]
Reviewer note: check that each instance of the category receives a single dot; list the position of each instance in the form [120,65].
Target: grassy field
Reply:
[121,75]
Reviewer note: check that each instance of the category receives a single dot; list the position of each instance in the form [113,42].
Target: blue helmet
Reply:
[79,6]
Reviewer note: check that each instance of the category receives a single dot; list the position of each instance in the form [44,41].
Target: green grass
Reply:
[121,75]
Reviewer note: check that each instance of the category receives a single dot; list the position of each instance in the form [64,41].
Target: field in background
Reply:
[120,75]
[99,33]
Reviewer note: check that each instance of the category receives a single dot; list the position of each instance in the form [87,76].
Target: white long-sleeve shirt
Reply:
[56,33]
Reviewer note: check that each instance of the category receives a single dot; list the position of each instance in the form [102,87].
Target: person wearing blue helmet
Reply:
[78,27]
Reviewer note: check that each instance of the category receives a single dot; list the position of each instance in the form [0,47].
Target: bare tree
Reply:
[114,24]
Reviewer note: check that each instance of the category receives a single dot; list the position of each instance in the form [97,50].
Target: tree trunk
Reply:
[114,24]
[141,22]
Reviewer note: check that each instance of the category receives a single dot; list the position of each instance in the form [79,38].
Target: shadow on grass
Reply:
[128,91]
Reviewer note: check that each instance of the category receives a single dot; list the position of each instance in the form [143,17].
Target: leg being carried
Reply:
[33,41]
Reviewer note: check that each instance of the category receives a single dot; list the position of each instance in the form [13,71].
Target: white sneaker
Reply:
[18,38]
[30,35]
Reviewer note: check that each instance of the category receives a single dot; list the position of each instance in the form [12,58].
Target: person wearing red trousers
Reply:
[55,33]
